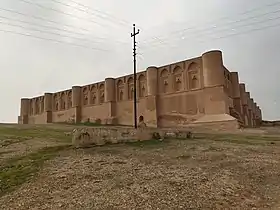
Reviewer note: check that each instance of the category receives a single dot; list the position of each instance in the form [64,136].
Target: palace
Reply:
[198,91]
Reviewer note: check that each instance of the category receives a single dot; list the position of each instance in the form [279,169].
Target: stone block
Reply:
[98,136]
[81,139]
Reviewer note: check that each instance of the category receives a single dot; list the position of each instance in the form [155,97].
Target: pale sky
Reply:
[246,31]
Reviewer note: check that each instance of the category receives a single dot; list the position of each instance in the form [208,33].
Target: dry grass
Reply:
[216,171]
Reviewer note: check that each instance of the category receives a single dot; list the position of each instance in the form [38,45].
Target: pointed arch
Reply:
[193,66]
[130,83]
[142,85]
[193,76]
[93,94]
[120,90]
[37,106]
[177,70]
[177,78]
[56,102]
[164,84]
[85,96]
[101,90]
[42,104]
[119,83]
[164,73]
[63,101]
[69,99]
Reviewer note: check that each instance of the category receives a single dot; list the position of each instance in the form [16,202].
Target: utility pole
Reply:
[133,34]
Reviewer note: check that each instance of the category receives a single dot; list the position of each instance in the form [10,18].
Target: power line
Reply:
[222,30]
[49,27]
[58,29]
[96,10]
[230,24]
[53,40]
[85,11]
[46,32]
[223,18]
[57,23]
[44,19]
[234,34]
[61,12]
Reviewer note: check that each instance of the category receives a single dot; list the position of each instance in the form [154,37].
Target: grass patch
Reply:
[7,142]
[17,171]
[27,133]
[147,144]
[5,152]
[11,139]
[241,139]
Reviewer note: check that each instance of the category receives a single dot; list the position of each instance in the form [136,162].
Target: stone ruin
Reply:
[98,136]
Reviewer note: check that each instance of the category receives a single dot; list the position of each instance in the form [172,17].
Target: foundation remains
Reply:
[195,92]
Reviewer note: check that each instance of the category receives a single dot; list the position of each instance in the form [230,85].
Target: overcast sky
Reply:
[246,31]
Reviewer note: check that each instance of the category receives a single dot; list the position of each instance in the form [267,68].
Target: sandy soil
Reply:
[203,173]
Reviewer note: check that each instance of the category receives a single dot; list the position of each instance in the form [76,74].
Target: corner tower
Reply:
[213,79]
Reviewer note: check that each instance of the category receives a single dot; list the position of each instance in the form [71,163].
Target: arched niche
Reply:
[56,102]
[178,78]
[69,99]
[130,84]
[37,106]
[120,90]
[42,104]
[101,90]
[93,94]
[142,85]
[164,83]
[193,76]
[85,92]
[227,80]
[63,101]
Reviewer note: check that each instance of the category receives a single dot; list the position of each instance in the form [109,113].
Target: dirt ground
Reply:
[212,171]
